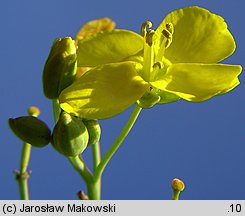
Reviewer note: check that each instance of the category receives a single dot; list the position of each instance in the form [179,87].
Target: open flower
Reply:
[178,59]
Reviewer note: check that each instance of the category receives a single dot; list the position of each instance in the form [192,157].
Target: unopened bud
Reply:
[60,68]
[94,131]
[70,136]
[31,130]
[178,186]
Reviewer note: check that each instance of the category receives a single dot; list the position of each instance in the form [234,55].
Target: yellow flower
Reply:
[177,60]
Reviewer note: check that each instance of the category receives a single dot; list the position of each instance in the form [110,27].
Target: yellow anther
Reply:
[166,34]
[158,64]
[168,42]
[144,26]
[149,35]
[170,28]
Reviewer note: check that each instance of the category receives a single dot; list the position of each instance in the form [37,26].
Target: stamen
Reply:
[158,64]
[149,35]
[168,42]
[170,28]
[166,34]
[148,25]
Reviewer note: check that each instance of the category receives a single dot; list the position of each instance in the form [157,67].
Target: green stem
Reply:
[22,176]
[56,109]
[23,186]
[25,157]
[99,170]
[95,188]
[176,194]
[80,167]
[96,154]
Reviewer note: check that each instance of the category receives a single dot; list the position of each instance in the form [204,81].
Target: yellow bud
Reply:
[178,186]
[60,68]
[33,111]
[31,130]
[70,136]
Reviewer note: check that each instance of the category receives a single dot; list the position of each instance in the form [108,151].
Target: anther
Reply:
[170,28]
[166,34]
[168,42]
[145,25]
[149,35]
[158,64]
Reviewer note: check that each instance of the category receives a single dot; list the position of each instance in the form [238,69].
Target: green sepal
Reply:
[70,136]
[166,97]
[60,68]
[148,100]
[31,130]
[94,131]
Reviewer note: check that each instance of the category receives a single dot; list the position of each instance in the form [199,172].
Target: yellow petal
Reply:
[199,36]
[108,47]
[104,91]
[199,82]
[94,26]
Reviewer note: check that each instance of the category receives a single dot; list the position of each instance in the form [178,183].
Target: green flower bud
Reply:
[70,136]
[60,68]
[148,100]
[94,131]
[31,130]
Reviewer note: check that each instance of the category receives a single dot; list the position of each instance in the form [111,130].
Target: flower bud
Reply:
[60,68]
[148,100]
[33,111]
[31,130]
[177,186]
[94,131]
[70,136]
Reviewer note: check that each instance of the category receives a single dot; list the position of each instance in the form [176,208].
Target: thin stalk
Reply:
[96,186]
[92,186]
[56,109]
[99,170]
[22,176]
[96,154]
[80,167]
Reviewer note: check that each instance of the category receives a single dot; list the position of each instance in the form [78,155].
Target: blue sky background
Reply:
[201,143]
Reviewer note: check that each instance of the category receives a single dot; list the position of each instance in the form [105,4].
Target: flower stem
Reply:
[80,167]
[96,186]
[56,109]
[93,187]
[176,194]
[22,176]
[96,154]
[99,170]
